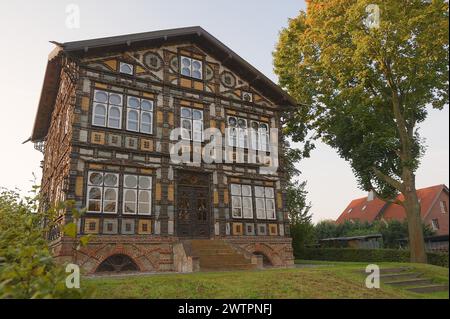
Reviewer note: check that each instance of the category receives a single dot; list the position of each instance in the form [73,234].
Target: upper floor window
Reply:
[139,115]
[191,124]
[191,67]
[102,192]
[240,135]
[126,68]
[247,96]
[107,110]
[444,209]
[137,194]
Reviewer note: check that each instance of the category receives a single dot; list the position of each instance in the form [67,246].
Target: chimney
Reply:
[371,196]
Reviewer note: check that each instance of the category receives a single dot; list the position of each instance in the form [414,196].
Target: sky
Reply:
[249,27]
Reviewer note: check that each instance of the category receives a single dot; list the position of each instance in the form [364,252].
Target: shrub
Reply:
[366,255]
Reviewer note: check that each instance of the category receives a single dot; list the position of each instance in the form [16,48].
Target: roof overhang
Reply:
[195,35]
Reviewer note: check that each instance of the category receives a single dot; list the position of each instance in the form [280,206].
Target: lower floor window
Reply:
[242,198]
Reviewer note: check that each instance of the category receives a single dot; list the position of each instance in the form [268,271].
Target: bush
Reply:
[366,255]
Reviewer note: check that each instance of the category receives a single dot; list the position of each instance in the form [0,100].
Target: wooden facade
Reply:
[140,203]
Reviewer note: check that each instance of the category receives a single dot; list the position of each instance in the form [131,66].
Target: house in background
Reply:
[433,201]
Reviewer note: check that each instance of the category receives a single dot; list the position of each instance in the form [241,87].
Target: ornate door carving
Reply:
[193,205]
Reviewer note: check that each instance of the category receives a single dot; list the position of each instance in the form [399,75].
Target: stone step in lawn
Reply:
[399,276]
[410,282]
[429,288]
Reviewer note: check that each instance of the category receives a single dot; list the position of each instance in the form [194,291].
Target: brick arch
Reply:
[123,250]
[266,250]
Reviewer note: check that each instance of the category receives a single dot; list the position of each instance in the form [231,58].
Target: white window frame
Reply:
[140,112]
[126,64]
[103,188]
[443,206]
[191,61]
[137,191]
[195,124]
[268,196]
[108,106]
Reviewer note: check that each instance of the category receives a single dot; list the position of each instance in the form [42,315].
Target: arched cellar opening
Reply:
[117,263]
[266,261]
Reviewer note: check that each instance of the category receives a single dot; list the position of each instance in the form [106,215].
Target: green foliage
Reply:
[366,255]
[392,231]
[27,269]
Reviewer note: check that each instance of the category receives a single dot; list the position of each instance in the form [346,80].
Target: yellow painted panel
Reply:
[96,166]
[199,105]
[212,123]
[235,180]
[140,69]
[101,86]
[170,119]
[146,171]
[112,64]
[279,201]
[170,196]
[186,83]
[146,145]
[185,103]
[144,226]
[158,191]
[85,103]
[263,118]
[225,196]
[216,197]
[273,229]
[159,117]
[231,112]
[79,186]
[149,95]
[91,226]
[198,85]
[98,138]
[237,229]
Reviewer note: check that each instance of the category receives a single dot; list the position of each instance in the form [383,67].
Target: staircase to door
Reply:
[217,255]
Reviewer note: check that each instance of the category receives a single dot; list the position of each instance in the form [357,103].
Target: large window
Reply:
[139,115]
[137,191]
[102,192]
[191,124]
[107,109]
[265,202]
[242,202]
[191,67]
[443,205]
[240,135]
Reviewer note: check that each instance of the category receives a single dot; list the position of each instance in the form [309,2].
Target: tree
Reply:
[302,229]
[365,87]
[27,268]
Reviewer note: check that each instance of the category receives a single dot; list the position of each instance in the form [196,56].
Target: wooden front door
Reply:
[193,206]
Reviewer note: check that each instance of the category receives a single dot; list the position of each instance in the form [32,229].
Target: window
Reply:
[239,135]
[126,68]
[435,224]
[191,124]
[237,132]
[102,192]
[139,115]
[191,67]
[137,194]
[241,200]
[443,205]
[107,109]
[265,202]
[247,96]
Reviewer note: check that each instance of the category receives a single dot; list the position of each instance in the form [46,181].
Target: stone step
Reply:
[429,288]
[214,252]
[209,262]
[227,258]
[399,276]
[394,270]
[410,282]
[228,267]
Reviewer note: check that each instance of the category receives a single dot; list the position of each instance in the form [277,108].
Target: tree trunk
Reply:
[415,228]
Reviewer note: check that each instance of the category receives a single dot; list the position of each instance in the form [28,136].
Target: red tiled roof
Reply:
[354,211]
[426,196]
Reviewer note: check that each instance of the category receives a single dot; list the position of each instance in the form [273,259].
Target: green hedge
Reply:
[366,255]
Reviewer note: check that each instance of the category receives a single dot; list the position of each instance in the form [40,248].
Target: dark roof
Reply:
[195,35]
[351,238]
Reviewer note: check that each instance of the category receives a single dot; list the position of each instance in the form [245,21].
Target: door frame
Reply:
[207,176]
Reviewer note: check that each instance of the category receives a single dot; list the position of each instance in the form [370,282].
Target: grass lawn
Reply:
[325,280]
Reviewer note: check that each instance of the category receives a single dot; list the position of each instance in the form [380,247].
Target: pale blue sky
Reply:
[248,27]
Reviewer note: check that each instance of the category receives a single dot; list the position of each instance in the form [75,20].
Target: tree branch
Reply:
[389,180]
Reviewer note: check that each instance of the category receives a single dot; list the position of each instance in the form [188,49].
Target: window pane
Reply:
[114,123]
[133,121]
[145,182]
[269,192]
[110,207]
[196,74]
[197,115]
[185,112]
[186,71]
[246,190]
[94,206]
[147,105]
[144,196]
[115,99]
[270,204]
[126,68]
[144,209]
[146,122]
[259,191]
[232,121]
[110,194]
[235,189]
[133,102]
[186,62]
[130,181]
[101,96]
[111,179]
[95,178]
[95,193]
[99,115]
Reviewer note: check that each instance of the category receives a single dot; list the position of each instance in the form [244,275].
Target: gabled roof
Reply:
[377,208]
[195,35]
